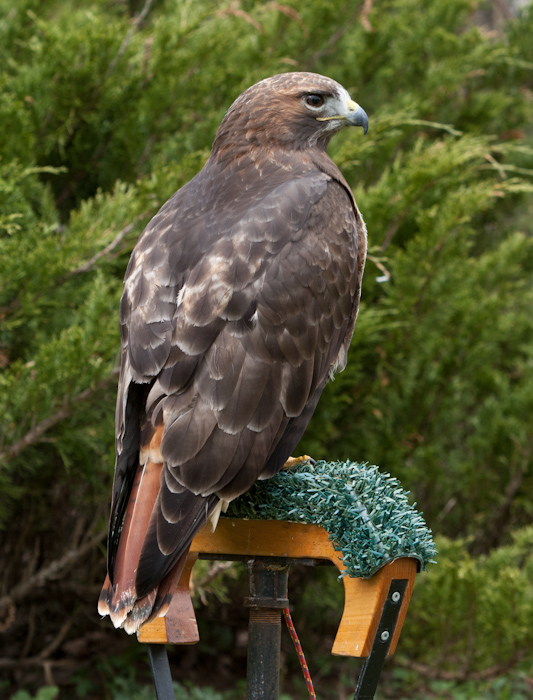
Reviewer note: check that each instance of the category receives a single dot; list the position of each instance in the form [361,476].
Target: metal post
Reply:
[268,596]
[161,672]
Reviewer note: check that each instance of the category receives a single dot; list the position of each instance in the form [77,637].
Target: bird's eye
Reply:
[314,100]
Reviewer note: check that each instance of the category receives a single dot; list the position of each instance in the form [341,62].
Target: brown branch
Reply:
[291,13]
[393,228]
[79,176]
[381,267]
[490,538]
[129,36]
[50,572]
[35,433]
[9,617]
[242,15]
[328,48]
[398,221]
[56,642]
[198,586]
[37,661]
[89,264]
[367,9]
[30,634]
[435,674]
[146,151]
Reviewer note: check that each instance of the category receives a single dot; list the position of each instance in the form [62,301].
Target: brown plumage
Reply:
[239,303]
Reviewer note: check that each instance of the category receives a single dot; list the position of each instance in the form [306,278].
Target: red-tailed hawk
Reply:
[239,304]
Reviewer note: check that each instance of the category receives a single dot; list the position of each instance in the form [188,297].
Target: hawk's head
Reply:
[292,110]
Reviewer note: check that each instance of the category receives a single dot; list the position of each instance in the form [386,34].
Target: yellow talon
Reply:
[295,461]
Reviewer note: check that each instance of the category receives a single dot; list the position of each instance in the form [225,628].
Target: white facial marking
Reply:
[338,107]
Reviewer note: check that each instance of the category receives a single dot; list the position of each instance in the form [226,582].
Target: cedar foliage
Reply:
[104,117]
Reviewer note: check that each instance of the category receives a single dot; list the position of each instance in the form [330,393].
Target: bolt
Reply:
[395,597]
[384,636]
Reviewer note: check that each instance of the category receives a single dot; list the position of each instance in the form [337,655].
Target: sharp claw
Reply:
[295,461]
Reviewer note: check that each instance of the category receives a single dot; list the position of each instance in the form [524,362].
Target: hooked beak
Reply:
[357,116]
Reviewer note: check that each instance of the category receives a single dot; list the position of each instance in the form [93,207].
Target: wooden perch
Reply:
[364,598]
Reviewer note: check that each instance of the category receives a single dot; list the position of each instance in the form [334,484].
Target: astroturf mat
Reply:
[365,511]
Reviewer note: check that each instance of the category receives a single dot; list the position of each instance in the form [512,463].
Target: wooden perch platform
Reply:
[247,539]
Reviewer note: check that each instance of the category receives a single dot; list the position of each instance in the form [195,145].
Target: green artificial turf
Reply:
[365,511]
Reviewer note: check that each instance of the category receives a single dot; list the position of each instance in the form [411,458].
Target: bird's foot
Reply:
[295,461]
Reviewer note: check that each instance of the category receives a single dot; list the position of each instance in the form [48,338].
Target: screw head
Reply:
[395,597]
[384,636]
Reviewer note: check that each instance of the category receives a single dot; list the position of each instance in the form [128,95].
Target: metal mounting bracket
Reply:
[371,671]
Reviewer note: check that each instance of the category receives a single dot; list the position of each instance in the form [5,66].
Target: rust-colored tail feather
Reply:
[119,600]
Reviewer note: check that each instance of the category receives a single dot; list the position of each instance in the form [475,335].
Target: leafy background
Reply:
[106,108]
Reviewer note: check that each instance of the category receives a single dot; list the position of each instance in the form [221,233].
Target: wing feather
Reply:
[188,423]
[249,390]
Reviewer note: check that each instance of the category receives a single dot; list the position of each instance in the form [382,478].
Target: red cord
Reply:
[301,657]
